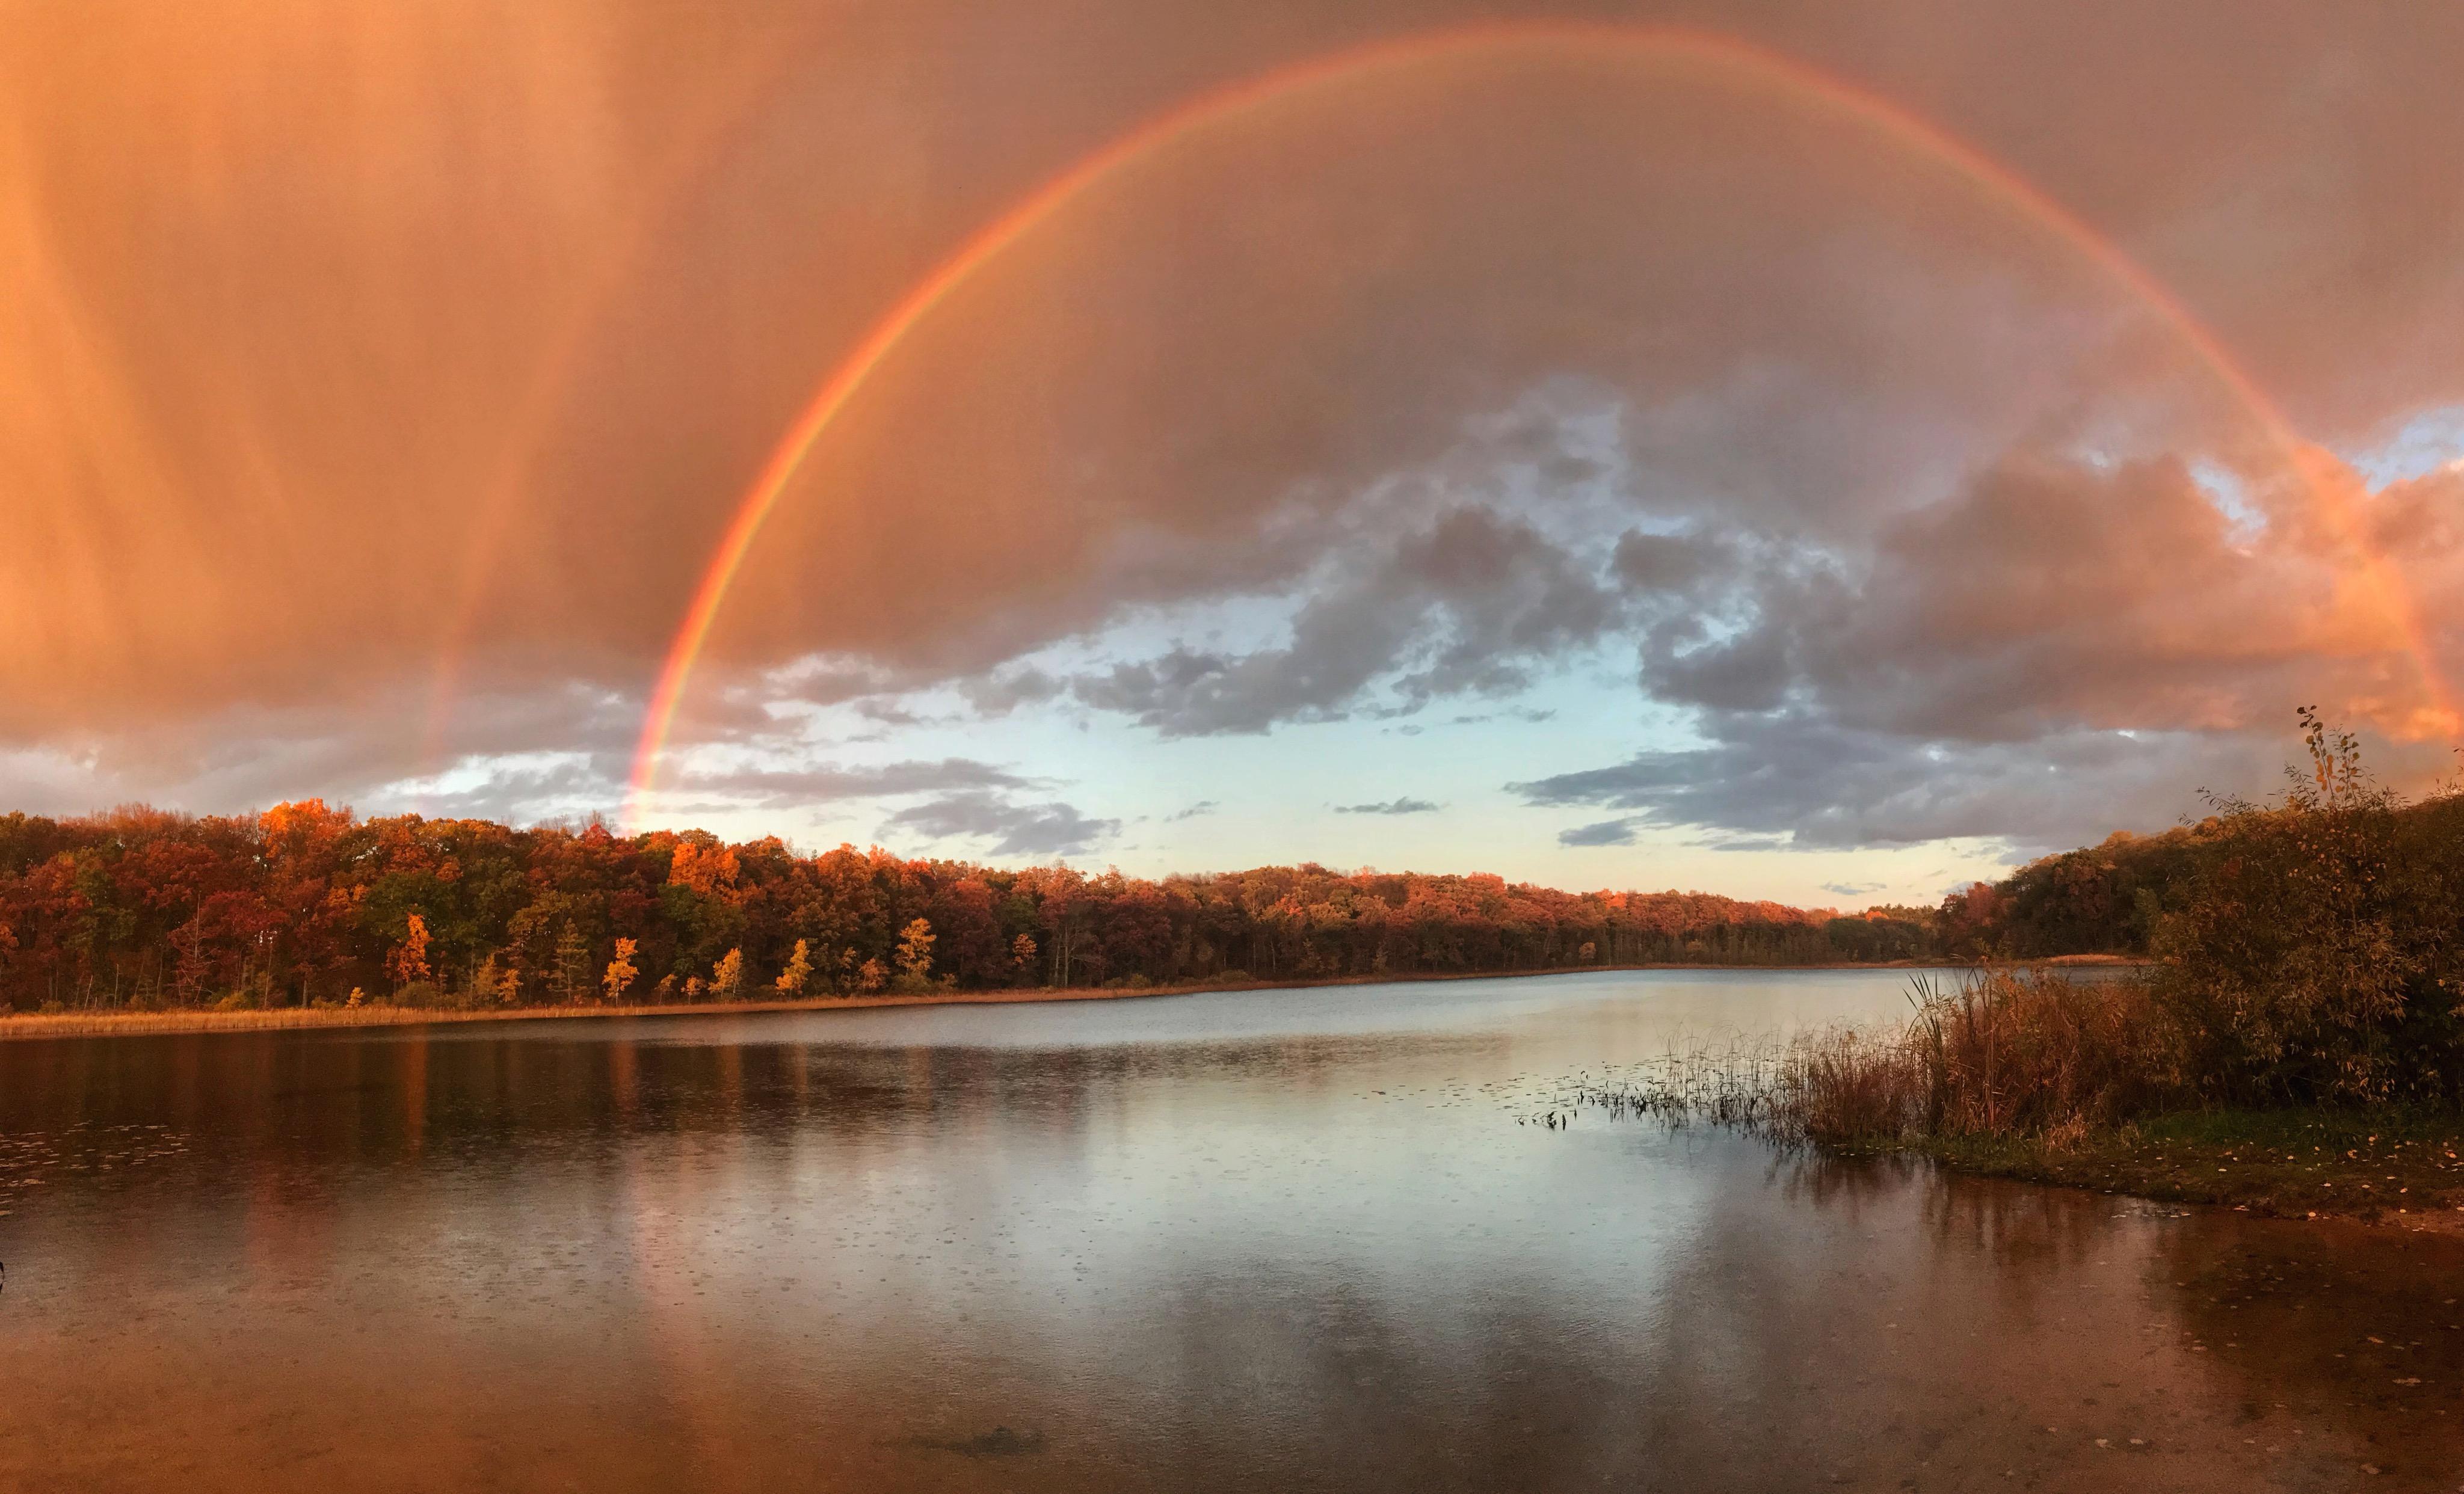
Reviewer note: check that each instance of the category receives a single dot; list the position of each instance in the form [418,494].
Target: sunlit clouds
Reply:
[1662,480]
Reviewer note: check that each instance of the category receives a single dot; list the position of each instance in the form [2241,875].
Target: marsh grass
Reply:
[2036,1075]
[1996,1052]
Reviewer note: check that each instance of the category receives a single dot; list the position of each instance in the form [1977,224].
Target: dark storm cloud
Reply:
[1011,828]
[1391,806]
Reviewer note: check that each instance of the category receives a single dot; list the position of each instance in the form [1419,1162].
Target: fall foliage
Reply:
[304,903]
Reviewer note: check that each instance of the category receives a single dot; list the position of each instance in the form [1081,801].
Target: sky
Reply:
[1818,452]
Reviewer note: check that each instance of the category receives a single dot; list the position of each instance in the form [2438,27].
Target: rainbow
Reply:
[1749,67]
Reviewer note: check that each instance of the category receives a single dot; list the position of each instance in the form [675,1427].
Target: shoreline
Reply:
[25,1026]
[2308,1166]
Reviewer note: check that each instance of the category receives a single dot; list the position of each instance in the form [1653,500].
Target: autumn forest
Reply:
[305,905]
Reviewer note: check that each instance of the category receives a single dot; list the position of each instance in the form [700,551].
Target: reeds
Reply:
[1733,1083]
[1997,1053]
[2036,1053]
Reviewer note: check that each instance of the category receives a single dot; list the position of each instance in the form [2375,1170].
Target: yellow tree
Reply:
[727,978]
[800,968]
[619,971]
[916,952]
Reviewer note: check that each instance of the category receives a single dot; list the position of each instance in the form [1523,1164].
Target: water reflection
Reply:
[1284,1239]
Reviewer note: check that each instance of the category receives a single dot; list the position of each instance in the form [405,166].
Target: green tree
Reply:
[569,976]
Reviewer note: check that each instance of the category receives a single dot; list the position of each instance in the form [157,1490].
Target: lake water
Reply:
[1253,1240]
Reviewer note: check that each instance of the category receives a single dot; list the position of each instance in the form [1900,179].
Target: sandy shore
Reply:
[92,1023]
[89,1024]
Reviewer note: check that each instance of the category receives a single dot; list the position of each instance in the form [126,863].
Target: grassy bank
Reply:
[2292,1164]
[2112,1084]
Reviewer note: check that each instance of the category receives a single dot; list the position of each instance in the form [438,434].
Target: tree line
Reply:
[307,905]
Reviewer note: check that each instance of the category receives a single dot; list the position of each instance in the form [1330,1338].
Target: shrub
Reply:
[2314,958]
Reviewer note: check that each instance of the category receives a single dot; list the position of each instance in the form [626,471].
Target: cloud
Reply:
[1013,830]
[2056,649]
[1600,832]
[1204,807]
[1803,782]
[1853,450]
[1469,604]
[1392,806]
[826,782]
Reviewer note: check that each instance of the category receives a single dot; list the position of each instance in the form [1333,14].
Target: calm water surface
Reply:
[1280,1241]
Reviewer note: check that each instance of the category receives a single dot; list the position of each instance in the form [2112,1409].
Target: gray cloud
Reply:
[1467,606]
[2056,649]
[1804,781]
[1014,829]
[1392,806]
[2047,594]
[1600,832]
[558,789]
[823,782]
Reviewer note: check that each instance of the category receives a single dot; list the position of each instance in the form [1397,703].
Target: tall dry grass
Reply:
[1996,1053]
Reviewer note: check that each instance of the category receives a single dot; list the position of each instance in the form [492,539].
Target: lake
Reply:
[1286,1240]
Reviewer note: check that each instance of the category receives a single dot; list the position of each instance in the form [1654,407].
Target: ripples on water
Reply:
[1273,1240]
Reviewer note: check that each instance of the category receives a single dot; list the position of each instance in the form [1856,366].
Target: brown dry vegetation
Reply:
[2040,1076]
[2297,1047]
